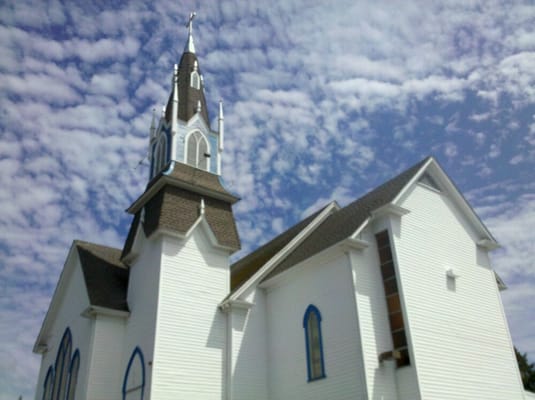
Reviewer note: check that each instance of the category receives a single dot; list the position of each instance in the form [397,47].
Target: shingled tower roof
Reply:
[190,87]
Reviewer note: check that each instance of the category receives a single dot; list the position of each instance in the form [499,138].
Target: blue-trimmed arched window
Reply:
[61,367]
[197,150]
[73,375]
[134,377]
[49,384]
[314,344]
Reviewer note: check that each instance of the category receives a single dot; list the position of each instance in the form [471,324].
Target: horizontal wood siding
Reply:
[373,319]
[143,292]
[106,374]
[189,358]
[327,284]
[73,302]
[249,350]
[460,339]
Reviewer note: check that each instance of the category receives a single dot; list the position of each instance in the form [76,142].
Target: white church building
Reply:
[389,298]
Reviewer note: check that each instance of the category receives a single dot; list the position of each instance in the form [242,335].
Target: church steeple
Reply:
[190,83]
[185,130]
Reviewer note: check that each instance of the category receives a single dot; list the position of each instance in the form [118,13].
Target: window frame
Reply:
[48,385]
[198,138]
[313,310]
[137,353]
[71,387]
[64,351]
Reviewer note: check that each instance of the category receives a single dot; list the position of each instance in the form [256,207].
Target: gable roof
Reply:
[336,227]
[106,277]
[248,265]
[343,223]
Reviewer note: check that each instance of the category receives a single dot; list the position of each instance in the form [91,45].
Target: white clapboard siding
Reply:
[190,342]
[327,284]
[142,297]
[460,339]
[249,349]
[72,302]
[373,320]
[106,375]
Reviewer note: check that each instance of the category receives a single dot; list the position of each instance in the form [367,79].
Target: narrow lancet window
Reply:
[73,375]
[314,344]
[49,384]
[61,368]
[134,378]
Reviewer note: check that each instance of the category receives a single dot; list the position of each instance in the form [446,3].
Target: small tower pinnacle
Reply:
[190,47]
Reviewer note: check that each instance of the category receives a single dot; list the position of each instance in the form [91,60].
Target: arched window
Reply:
[49,384]
[197,151]
[73,375]
[314,345]
[195,80]
[134,377]
[61,368]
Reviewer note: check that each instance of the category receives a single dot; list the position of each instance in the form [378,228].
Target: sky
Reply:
[324,100]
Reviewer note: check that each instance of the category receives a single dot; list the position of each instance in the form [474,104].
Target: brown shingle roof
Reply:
[172,200]
[105,276]
[337,227]
[194,178]
[341,224]
[176,209]
[243,269]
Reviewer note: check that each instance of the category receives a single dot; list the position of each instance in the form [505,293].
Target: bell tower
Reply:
[178,247]
[183,133]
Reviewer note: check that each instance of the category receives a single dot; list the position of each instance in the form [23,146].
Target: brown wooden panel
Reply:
[382,239]
[385,254]
[399,339]
[391,286]
[393,303]
[387,270]
[396,321]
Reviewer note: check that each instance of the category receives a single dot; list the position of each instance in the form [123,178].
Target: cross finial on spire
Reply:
[189,24]
[189,44]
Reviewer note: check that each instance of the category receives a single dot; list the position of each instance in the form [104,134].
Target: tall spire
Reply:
[190,47]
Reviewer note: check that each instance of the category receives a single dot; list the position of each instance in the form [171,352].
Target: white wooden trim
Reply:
[285,251]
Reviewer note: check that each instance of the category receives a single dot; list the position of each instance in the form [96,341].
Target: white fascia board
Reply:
[488,244]
[235,305]
[353,244]
[285,251]
[414,179]
[55,302]
[196,120]
[389,209]
[434,169]
[93,311]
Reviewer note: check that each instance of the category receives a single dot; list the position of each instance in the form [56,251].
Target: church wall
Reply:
[142,297]
[106,373]
[72,302]
[189,357]
[325,282]
[460,340]
[374,328]
[249,349]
